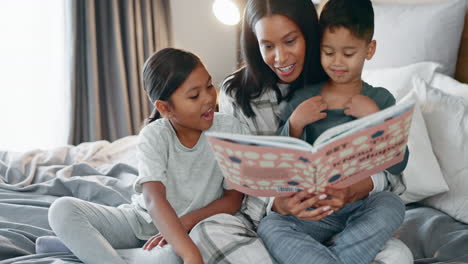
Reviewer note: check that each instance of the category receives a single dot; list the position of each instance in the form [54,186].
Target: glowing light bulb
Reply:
[226,11]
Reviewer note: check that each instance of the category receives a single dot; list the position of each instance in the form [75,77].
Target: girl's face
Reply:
[282,46]
[191,106]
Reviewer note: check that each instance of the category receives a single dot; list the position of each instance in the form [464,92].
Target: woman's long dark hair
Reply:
[255,76]
[164,72]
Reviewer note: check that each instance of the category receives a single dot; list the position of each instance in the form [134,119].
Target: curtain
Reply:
[110,40]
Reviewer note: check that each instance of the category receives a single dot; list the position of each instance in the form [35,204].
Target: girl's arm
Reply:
[229,203]
[168,223]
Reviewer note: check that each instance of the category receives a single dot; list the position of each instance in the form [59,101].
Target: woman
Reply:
[280,44]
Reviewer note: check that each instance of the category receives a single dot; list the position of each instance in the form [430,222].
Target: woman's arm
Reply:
[168,223]
[229,203]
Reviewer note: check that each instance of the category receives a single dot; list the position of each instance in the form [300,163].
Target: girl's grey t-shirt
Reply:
[191,175]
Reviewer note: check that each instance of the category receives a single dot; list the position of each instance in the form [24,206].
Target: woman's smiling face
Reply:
[282,45]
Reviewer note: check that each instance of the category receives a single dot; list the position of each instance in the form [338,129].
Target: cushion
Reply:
[446,118]
[398,80]
[422,175]
[449,85]
[410,33]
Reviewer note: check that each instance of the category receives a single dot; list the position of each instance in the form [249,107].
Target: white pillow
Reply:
[446,118]
[422,175]
[398,80]
[410,33]
[449,85]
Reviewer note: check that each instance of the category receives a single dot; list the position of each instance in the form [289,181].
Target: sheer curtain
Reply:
[34,100]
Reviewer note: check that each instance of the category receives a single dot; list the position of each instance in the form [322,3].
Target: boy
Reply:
[359,222]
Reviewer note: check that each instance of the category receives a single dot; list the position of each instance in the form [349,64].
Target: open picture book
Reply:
[341,156]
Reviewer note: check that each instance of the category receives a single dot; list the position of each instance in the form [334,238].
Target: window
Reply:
[34,98]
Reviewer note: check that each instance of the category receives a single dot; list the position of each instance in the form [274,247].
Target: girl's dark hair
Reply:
[357,16]
[164,72]
[255,76]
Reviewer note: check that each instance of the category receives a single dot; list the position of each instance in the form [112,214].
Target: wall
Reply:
[195,28]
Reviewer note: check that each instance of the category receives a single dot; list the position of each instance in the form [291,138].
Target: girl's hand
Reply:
[192,257]
[360,106]
[188,221]
[157,240]
[306,113]
[298,204]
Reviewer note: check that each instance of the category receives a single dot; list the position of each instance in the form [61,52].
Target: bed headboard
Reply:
[462,62]
[461,72]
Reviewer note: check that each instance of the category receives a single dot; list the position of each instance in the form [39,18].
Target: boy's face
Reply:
[343,54]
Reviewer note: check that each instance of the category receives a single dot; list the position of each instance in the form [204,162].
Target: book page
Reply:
[353,158]
[267,141]
[262,170]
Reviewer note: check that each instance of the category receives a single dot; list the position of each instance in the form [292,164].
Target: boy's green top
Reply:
[382,97]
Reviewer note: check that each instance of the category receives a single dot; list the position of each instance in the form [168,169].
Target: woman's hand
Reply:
[337,198]
[154,241]
[298,204]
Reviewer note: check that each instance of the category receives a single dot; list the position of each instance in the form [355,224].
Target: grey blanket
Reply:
[100,172]
[434,237]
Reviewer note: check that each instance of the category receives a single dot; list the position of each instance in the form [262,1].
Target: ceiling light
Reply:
[226,11]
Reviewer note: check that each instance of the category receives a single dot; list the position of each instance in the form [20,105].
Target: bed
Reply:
[434,67]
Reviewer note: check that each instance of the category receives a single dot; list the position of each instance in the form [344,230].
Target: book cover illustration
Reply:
[260,170]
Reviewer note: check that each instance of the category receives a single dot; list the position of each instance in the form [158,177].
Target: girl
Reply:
[280,46]
[179,183]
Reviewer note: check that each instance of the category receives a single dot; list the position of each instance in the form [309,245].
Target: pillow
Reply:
[422,175]
[449,85]
[398,80]
[446,118]
[410,33]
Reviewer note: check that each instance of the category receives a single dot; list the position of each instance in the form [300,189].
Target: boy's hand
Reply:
[306,113]
[360,106]
[154,241]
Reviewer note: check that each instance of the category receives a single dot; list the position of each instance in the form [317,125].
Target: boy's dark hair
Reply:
[255,76]
[355,15]
[164,72]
